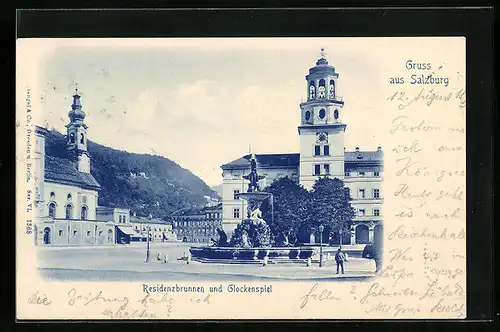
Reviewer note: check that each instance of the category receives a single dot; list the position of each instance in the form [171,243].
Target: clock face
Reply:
[322,137]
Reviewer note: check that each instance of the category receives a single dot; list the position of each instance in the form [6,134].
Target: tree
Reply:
[330,206]
[290,204]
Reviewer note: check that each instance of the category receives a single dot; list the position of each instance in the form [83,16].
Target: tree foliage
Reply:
[298,212]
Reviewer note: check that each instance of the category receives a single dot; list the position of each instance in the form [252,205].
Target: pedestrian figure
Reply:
[340,258]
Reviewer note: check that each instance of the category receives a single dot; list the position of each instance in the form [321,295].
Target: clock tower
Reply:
[321,129]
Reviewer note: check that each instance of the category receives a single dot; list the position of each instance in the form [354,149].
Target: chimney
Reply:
[379,148]
[357,149]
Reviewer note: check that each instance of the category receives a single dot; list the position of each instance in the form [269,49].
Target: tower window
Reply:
[72,138]
[52,210]
[322,113]
[326,150]
[326,167]
[82,139]
[317,150]
[332,89]
[312,90]
[307,116]
[69,211]
[336,114]
[321,89]
[317,169]
[84,213]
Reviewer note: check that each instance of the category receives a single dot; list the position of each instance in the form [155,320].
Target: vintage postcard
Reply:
[241,178]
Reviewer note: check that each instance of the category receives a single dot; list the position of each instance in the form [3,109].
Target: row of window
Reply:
[122,219]
[326,150]
[362,173]
[321,114]
[72,138]
[199,231]
[194,223]
[153,229]
[325,170]
[362,212]
[68,197]
[75,232]
[321,89]
[69,211]
[362,193]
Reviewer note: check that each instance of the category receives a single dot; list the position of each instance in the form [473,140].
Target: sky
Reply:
[204,102]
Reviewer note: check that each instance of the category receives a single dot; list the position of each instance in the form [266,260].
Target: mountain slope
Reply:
[144,183]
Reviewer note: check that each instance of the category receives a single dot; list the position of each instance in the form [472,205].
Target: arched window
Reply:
[52,210]
[84,213]
[321,89]
[312,90]
[82,139]
[69,211]
[69,197]
[336,114]
[72,138]
[52,195]
[332,89]
[322,113]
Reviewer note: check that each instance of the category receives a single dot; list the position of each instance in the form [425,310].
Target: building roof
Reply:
[197,211]
[145,220]
[293,159]
[266,160]
[64,171]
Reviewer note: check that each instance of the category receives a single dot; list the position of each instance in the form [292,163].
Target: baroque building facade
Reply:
[322,153]
[67,194]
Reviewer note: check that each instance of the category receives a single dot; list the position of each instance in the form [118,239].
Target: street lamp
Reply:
[147,250]
[321,228]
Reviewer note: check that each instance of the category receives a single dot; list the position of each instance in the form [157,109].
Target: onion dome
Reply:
[76,112]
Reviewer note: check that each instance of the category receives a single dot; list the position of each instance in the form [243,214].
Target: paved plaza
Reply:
[127,263]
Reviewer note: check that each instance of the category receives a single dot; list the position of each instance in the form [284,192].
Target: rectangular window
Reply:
[88,233]
[376,193]
[60,232]
[236,213]
[326,150]
[317,169]
[347,174]
[326,167]
[235,192]
[361,212]
[376,174]
[361,193]
[376,212]
[317,150]
[361,173]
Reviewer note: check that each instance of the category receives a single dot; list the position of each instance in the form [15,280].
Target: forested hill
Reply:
[144,183]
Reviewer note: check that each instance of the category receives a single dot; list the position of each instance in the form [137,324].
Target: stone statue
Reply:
[222,242]
[253,177]
[256,214]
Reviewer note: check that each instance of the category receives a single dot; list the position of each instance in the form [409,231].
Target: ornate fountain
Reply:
[250,241]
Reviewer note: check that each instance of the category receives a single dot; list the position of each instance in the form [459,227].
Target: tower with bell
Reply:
[321,129]
[77,135]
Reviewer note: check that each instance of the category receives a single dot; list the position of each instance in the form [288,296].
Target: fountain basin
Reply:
[234,255]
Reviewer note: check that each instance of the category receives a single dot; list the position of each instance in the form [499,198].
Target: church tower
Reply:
[321,129]
[77,135]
